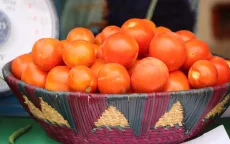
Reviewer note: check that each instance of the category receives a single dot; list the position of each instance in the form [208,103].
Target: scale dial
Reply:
[22,22]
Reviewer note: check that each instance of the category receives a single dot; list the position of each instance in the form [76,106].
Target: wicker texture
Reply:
[171,118]
[73,118]
[112,118]
[46,112]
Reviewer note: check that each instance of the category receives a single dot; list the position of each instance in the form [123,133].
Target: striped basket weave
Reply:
[160,118]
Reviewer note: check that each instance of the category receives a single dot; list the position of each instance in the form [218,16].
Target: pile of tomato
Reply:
[137,57]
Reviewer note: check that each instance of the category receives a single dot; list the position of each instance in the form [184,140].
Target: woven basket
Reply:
[72,118]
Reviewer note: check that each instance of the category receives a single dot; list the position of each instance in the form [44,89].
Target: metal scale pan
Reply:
[22,22]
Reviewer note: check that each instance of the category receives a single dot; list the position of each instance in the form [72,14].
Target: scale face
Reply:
[22,22]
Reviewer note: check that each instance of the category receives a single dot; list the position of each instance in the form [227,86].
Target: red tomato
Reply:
[80,33]
[19,64]
[34,76]
[202,74]
[113,78]
[222,69]
[82,79]
[169,48]
[47,53]
[57,79]
[177,81]
[141,32]
[150,75]
[108,31]
[195,50]
[120,48]
[186,35]
[78,52]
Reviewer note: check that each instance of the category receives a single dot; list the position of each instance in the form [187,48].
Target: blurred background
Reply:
[24,21]
[208,19]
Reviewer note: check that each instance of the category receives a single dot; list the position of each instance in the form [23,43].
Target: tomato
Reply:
[120,48]
[108,31]
[202,74]
[47,53]
[98,39]
[80,33]
[160,30]
[78,52]
[210,55]
[95,47]
[228,62]
[151,75]
[34,76]
[19,64]
[195,50]
[113,78]
[132,68]
[186,35]
[177,81]
[130,90]
[99,52]
[97,65]
[151,24]
[141,32]
[169,48]
[64,43]
[131,23]
[82,79]
[222,69]
[57,79]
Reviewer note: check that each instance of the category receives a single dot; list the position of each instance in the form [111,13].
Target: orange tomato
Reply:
[151,75]
[57,79]
[108,31]
[98,39]
[186,35]
[113,78]
[99,52]
[82,79]
[78,52]
[177,81]
[97,65]
[131,23]
[80,33]
[151,24]
[132,68]
[19,64]
[228,62]
[222,69]
[33,75]
[120,48]
[130,90]
[47,53]
[210,55]
[195,50]
[95,47]
[202,74]
[169,48]
[160,30]
[64,43]
[141,32]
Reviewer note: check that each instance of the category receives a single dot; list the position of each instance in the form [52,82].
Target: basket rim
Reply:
[6,70]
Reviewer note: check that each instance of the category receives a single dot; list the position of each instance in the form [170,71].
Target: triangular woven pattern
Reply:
[111,118]
[218,108]
[46,112]
[174,116]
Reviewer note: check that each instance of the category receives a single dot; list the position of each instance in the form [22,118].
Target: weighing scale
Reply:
[22,22]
